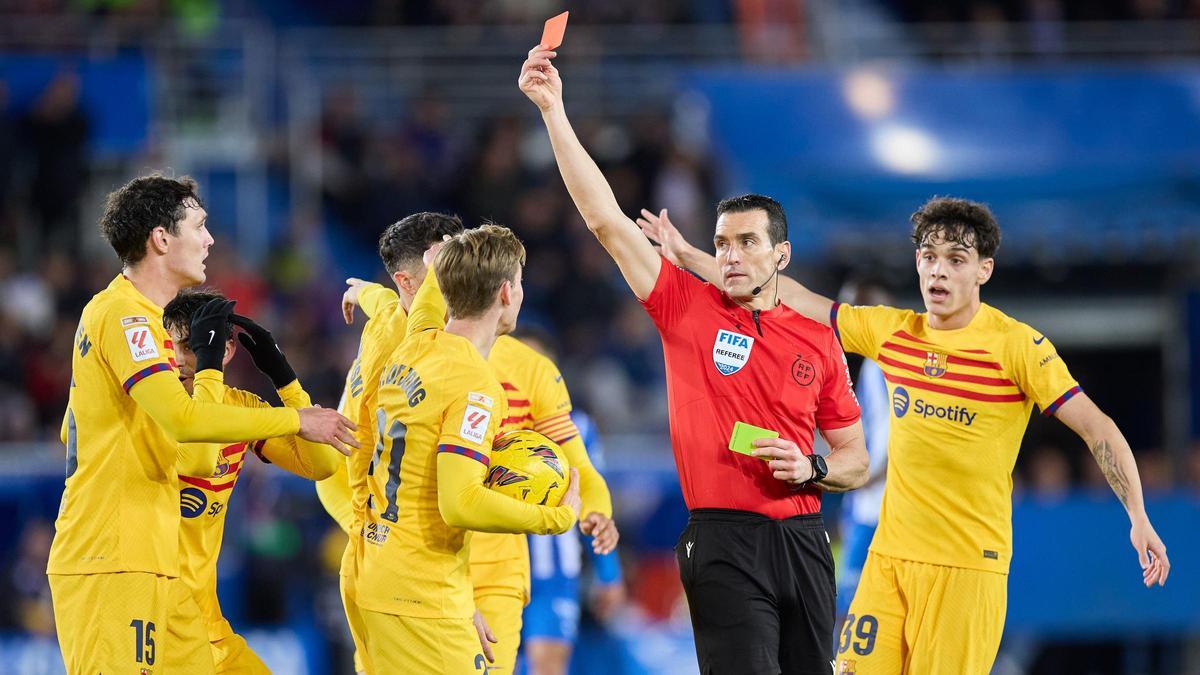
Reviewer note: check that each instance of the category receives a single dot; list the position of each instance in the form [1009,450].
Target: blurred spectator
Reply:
[1049,474]
[1155,470]
[26,591]
[56,130]
[344,143]
[8,156]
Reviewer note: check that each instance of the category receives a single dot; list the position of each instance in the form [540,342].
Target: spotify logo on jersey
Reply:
[191,502]
[951,413]
[900,401]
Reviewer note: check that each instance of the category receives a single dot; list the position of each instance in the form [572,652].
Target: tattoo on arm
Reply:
[1112,470]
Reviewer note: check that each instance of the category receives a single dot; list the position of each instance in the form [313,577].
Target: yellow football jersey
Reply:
[439,407]
[961,400]
[120,507]
[537,399]
[204,500]
[341,496]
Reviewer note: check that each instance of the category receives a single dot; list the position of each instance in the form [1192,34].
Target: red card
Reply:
[552,34]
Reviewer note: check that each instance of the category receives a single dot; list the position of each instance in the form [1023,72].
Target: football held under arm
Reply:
[462,460]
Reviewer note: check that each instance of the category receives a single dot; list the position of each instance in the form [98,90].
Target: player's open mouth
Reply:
[938,293]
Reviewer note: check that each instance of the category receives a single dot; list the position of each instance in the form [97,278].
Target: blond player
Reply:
[401,248]
[114,568]
[204,499]
[962,379]
[537,399]
[439,407]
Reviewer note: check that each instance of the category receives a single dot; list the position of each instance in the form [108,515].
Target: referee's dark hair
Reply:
[132,211]
[777,230]
[404,242]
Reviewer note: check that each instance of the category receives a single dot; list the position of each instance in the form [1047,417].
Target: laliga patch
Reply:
[141,343]
[482,399]
[731,351]
[474,424]
[131,320]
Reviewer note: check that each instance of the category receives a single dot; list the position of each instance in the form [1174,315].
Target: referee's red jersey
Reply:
[773,368]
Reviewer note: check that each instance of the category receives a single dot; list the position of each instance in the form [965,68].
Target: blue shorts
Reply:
[854,555]
[552,613]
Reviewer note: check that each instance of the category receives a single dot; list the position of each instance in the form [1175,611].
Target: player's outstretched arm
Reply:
[1114,457]
[675,248]
[314,461]
[370,296]
[589,190]
[190,421]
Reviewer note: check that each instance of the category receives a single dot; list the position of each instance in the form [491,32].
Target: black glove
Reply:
[266,354]
[209,332]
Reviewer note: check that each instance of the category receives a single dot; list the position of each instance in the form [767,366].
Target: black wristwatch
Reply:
[820,469]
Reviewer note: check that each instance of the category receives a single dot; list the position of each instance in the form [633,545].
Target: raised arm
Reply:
[589,190]
[676,249]
[1114,457]
[314,461]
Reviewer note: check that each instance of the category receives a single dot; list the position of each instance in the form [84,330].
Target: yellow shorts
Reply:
[347,586]
[125,622]
[404,644]
[911,617]
[503,615]
[234,657]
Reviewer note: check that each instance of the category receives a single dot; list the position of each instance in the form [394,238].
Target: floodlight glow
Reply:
[904,149]
[869,94]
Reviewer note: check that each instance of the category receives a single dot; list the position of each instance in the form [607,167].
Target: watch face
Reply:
[820,468]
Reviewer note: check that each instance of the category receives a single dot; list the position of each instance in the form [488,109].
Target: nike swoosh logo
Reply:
[1039,340]
[211,335]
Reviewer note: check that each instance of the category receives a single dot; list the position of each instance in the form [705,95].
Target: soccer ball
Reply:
[528,466]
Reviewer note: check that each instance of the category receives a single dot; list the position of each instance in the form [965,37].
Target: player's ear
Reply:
[406,281]
[506,293]
[985,270]
[157,241]
[230,350]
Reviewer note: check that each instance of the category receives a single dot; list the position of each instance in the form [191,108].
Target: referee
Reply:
[754,559]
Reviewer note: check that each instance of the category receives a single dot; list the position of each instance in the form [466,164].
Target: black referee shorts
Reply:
[761,592]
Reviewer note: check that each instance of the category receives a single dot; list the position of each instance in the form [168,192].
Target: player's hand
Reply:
[264,351]
[571,496]
[669,242]
[607,599]
[209,331]
[350,298]
[603,531]
[486,637]
[322,425]
[785,459]
[1152,553]
[539,79]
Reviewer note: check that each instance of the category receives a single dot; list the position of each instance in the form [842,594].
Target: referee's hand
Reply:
[785,459]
